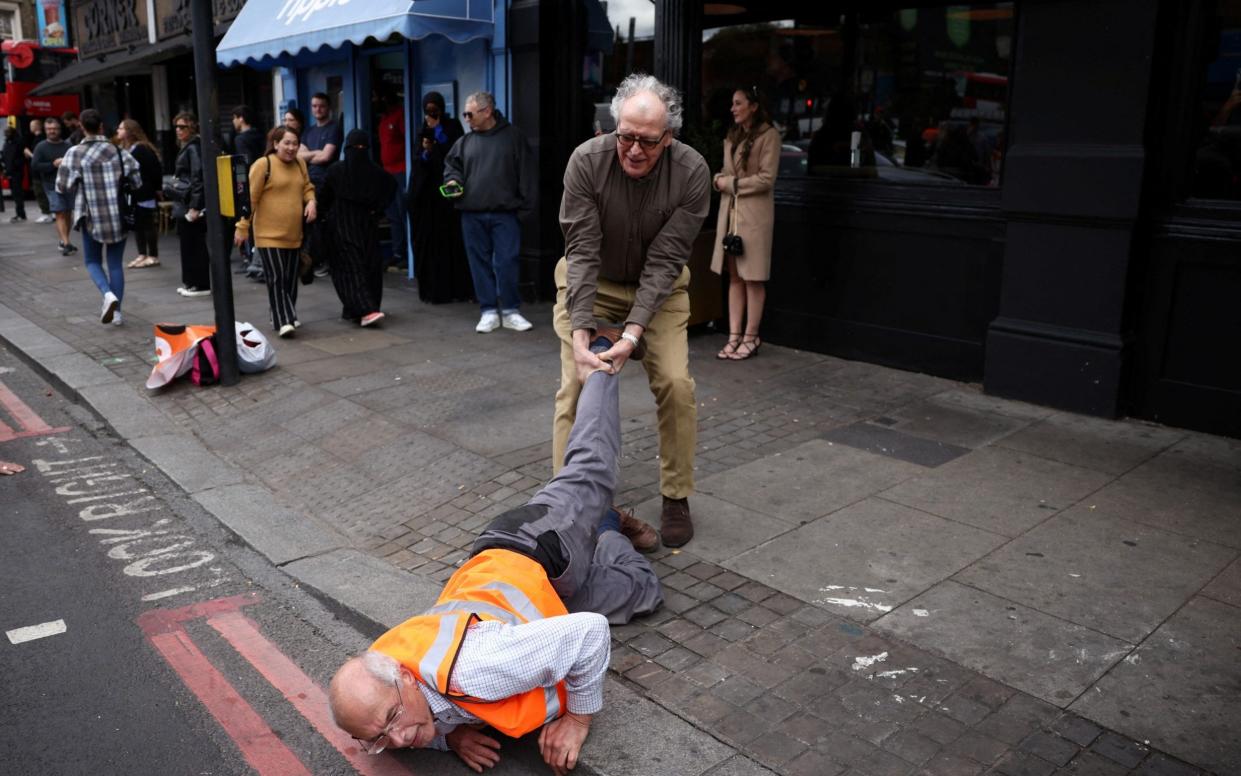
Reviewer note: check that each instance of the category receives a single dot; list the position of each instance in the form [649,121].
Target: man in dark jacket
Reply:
[489,164]
[32,139]
[14,170]
[249,143]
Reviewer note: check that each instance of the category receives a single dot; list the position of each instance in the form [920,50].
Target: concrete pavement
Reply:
[892,573]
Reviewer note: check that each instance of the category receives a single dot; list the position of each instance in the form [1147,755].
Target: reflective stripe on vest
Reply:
[498,585]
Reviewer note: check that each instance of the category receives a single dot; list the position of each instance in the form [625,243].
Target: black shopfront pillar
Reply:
[678,50]
[546,38]
[1071,198]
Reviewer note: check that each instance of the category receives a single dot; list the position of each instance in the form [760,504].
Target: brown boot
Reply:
[675,526]
[639,532]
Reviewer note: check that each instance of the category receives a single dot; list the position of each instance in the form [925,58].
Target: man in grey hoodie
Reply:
[489,166]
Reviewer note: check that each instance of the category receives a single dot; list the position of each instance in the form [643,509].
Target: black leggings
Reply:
[146,231]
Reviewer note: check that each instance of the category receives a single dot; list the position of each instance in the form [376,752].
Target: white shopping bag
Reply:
[254,352]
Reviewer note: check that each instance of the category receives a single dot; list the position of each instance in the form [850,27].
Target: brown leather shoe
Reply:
[612,333]
[640,533]
[675,526]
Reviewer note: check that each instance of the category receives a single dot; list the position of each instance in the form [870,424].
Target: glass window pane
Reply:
[915,96]
[1217,158]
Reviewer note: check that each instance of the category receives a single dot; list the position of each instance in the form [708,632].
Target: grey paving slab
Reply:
[124,409]
[1113,575]
[721,530]
[495,422]
[1113,447]
[1000,490]
[1226,587]
[1178,494]
[33,341]
[633,736]
[356,341]
[740,765]
[1023,648]
[1220,451]
[1179,690]
[187,462]
[952,423]
[881,440]
[807,481]
[368,585]
[78,371]
[275,531]
[866,559]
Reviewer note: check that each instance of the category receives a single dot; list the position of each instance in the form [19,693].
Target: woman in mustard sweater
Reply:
[281,196]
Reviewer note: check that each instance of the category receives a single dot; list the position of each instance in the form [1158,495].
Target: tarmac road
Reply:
[141,638]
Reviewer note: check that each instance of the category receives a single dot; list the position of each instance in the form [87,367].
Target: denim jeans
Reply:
[399,217]
[92,254]
[492,243]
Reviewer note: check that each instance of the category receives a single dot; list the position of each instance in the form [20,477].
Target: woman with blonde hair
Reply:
[747,217]
[281,196]
[129,135]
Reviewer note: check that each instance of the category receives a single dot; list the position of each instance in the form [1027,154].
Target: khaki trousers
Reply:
[667,369]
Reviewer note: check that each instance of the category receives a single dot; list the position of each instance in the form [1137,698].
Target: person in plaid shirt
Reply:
[91,172]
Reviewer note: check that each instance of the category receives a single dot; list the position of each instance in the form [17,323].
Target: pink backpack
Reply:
[206,368]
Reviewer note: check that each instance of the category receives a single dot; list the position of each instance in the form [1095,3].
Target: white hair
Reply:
[637,83]
[482,100]
[380,666]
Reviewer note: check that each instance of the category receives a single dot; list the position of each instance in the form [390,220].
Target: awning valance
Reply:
[270,29]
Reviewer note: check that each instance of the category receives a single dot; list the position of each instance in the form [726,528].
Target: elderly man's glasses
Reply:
[469,114]
[380,742]
[647,144]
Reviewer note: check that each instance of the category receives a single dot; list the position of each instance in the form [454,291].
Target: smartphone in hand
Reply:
[452,190]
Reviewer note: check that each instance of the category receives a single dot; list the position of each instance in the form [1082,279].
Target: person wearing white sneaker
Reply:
[486,175]
[488,322]
[516,321]
[92,170]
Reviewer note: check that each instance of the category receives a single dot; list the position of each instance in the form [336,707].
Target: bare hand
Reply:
[561,741]
[617,355]
[239,238]
[587,363]
[427,143]
[56,162]
[311,212]
[475,749]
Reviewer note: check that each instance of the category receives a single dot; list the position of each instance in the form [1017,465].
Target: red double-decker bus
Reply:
[26,64]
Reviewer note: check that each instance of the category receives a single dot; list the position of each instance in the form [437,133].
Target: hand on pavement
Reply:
[561,741]
[476,750]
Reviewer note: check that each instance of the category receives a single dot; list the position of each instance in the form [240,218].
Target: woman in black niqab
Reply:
[439,252]
[356,192]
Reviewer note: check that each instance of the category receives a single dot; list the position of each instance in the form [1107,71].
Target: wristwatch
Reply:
[632,340]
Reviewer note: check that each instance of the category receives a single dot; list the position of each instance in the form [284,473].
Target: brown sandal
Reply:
[726,353]
[752,343]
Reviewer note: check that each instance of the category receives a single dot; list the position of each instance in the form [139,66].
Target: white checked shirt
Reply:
[93,169]
[498,661]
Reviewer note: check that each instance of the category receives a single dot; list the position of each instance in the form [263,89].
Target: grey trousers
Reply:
[604,573]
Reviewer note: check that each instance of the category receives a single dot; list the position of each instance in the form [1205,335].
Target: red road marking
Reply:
[306,696]
[28,419]
[266,753]
[165,628]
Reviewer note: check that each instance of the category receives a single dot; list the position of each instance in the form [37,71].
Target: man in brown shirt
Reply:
[633,203]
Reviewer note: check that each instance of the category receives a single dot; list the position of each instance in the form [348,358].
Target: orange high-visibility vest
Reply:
[493,585]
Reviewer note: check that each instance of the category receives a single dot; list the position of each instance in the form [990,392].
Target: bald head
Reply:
[645,107]
[356,696]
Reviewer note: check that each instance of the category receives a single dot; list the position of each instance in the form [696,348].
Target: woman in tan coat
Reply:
[751,161]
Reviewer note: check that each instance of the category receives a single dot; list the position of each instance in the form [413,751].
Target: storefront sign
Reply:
[103,26]
[173,17]
[52,32]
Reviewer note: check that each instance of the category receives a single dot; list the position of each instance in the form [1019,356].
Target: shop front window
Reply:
[1217,156]
[915,96]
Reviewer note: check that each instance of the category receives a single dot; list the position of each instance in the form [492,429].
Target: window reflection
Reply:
[916,96]
[1217,161]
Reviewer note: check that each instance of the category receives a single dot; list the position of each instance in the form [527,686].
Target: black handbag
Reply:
[126,202]
[733,245]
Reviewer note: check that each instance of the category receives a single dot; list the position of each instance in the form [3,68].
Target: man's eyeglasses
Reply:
[380,742]
[469,114]
[648,144]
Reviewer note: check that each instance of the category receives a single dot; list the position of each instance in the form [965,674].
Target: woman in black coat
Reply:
[129,135]
[356,191]
[440,263]
[188,208]
[14,169]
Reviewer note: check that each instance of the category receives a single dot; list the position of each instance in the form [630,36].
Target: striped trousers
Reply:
[280,271]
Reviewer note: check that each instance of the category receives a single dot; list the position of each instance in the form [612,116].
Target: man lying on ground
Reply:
[518,638]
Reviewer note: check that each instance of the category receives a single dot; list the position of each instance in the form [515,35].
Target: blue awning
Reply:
[270,29]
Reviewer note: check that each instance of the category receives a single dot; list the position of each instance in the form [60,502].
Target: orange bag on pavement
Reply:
[176,345]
